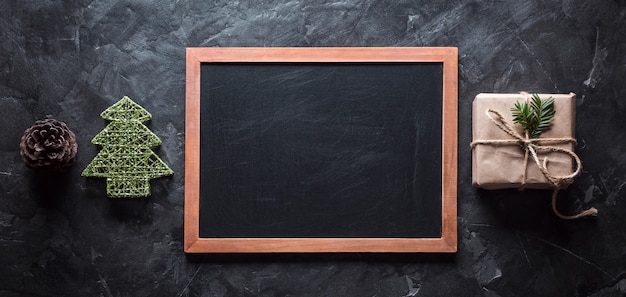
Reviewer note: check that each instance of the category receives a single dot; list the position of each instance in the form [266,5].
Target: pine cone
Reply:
[48,146]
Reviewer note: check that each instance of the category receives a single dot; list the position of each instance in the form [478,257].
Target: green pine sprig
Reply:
[535,117]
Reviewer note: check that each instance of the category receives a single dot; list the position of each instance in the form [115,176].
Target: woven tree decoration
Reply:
[126,159]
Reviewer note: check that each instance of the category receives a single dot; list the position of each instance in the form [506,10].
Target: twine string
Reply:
[531,146]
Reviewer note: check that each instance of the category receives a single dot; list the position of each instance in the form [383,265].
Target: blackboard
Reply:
[321,150]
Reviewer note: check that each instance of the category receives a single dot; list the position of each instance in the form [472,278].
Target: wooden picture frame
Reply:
[446,243]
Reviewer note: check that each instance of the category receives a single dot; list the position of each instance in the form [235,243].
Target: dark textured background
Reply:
[70,60]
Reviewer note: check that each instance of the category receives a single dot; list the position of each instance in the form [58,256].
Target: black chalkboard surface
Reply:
[304,154]
[320,150]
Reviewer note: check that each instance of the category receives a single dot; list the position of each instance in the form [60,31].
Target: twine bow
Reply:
[531,146]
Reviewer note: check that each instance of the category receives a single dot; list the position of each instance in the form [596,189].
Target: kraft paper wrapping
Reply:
[500,166]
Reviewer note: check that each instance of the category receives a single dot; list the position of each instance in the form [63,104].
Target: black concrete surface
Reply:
[69,60]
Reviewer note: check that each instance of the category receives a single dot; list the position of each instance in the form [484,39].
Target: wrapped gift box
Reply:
[500,166]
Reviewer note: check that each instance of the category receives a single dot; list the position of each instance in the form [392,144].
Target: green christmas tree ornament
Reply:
[126,159]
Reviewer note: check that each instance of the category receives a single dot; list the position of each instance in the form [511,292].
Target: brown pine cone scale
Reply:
[49,145]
